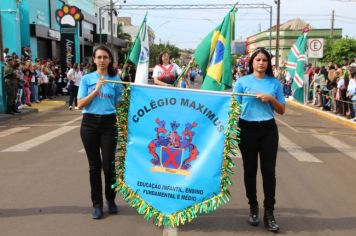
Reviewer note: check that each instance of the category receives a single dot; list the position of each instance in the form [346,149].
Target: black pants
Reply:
[98,133]
[259,138]
[73,93]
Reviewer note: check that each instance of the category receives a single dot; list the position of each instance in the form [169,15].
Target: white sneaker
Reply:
[20,107]
[70,107]
[76,108]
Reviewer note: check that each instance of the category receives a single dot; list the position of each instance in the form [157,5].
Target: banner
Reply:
[67,49]
[173,151]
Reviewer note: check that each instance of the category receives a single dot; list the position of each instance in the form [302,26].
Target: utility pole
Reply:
[277,32]
[111,26]
[332,33]
[332,25]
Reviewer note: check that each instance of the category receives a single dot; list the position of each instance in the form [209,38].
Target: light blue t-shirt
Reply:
[252,108]
[105,102]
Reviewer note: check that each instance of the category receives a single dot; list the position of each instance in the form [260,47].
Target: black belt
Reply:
[262,122]
[99,115]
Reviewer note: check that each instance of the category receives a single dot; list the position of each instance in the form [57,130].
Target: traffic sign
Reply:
[315,48]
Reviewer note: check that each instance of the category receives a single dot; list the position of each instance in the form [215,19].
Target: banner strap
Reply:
[197,90]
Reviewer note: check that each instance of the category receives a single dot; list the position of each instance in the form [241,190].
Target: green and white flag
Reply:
[295,65]
[139,54]
[213,55]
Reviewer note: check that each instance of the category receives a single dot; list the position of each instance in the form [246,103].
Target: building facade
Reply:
[33,23]
[289,32]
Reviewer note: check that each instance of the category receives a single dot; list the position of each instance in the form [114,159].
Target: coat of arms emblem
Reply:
[173,153]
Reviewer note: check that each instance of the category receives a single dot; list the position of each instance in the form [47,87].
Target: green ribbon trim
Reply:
[189,213]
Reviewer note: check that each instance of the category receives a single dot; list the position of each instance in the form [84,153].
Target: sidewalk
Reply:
[44,105]
[326,114]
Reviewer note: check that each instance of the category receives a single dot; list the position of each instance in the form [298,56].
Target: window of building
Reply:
[102,23]
[109,26]
[114,29]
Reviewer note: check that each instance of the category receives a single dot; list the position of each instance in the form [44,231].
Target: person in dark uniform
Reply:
[11,84]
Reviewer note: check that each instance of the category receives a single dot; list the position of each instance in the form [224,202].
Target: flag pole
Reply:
[184,72]
[129,52]
[130,83]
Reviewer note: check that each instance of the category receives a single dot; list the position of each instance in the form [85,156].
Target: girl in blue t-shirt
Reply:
[98,131]
[259,133]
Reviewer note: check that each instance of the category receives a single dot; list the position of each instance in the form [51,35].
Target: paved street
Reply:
[45,185]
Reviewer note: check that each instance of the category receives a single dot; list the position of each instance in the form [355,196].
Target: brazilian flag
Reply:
[213,55]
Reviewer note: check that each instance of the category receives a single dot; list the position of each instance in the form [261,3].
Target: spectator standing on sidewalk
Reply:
[11,84]
[74,76]
[318,85]
[98,129]
[332,86]
[34,83]
[259,133]
[44,82]
[27,78]
[351,92]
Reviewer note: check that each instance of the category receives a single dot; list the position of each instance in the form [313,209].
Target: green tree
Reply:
[156,49]
[123,52]
[336,50]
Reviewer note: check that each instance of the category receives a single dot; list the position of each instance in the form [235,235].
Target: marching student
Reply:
[98,129]
[259,133]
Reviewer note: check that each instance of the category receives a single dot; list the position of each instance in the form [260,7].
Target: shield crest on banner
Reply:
[171,157]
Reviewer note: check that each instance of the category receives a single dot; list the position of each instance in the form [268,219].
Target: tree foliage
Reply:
[122,52]
[156,49]
[336,50]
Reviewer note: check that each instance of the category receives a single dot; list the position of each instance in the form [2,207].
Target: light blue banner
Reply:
[175,146]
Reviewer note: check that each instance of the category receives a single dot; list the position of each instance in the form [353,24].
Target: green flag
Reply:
[213,55]
[295,65]
[139,54]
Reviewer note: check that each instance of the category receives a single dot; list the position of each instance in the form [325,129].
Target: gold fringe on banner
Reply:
[188,214]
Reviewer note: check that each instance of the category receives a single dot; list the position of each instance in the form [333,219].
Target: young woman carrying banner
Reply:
[259,133]
[98,129]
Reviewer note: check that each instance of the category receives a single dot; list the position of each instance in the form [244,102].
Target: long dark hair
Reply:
[269,71]
[111,69]
[160,61]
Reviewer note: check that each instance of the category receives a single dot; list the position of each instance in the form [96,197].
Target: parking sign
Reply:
[315,48]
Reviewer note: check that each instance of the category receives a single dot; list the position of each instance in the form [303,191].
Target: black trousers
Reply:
[259,139]
[98,133]
[73,93]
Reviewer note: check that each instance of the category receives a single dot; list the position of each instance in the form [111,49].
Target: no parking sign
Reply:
[315,48]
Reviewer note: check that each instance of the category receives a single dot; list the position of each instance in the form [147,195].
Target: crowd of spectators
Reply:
[29,80]
[331,87]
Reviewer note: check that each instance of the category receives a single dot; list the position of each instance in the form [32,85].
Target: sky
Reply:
[186,28]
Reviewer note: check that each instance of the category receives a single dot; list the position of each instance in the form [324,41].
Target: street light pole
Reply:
[100,26]
[111,26]
[277,32]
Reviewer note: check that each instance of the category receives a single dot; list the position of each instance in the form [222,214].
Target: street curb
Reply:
[47,105]
[24,112]
[332,117]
